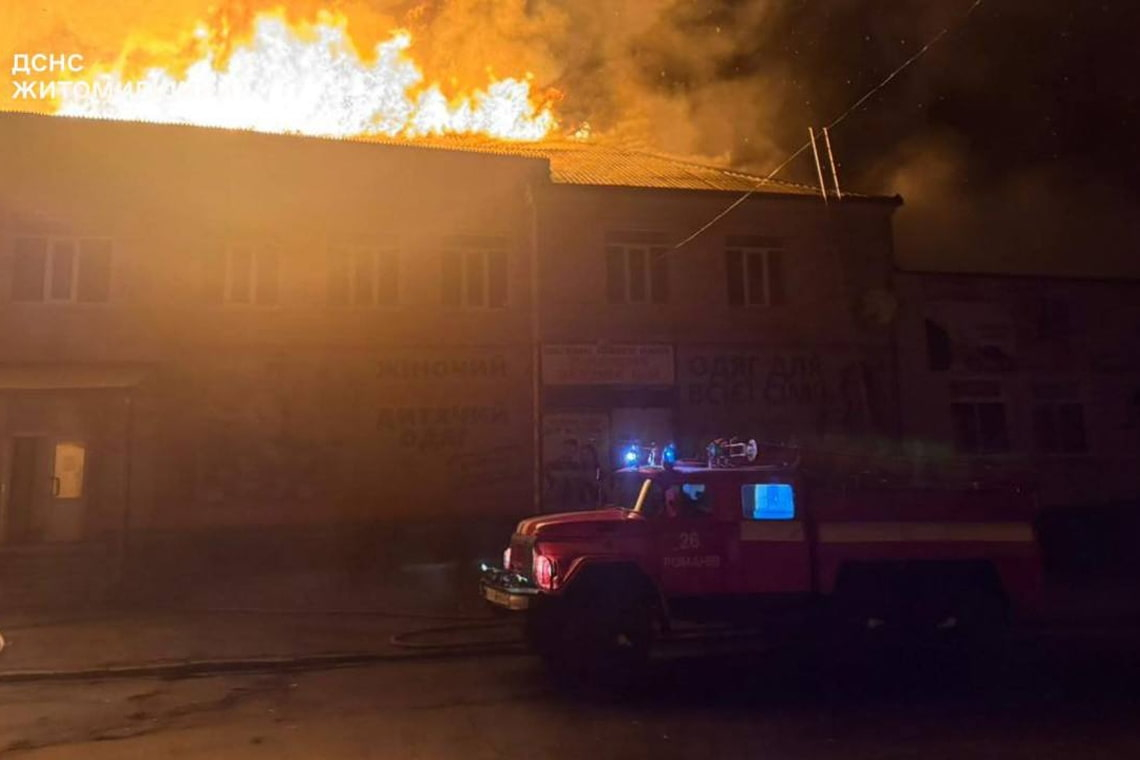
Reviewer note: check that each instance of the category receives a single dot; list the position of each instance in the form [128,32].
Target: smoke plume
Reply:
[1014,137]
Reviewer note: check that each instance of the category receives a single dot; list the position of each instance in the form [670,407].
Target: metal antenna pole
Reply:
[818,165]
[831,160]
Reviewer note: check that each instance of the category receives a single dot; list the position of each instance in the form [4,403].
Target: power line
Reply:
[850,110]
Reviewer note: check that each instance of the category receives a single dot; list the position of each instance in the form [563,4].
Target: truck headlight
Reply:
[544,571]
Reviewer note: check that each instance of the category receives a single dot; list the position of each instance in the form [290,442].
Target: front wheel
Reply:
[597,643]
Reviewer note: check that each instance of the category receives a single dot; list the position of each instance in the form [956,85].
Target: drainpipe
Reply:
[893,271]
[128,463]
[536,353]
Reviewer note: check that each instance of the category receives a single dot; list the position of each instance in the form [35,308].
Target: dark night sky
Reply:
[1013,141]
[1027,82]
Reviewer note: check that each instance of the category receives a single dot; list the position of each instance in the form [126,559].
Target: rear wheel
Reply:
[967,612]
[865,616]
[900,621]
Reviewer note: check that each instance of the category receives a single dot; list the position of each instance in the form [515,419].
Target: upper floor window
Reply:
[754,266]
[939,347]
[1052,321]
[363,275]
[61,269]
[242,274]
[1058,419]
[474,270]
[977,412]
[637,268]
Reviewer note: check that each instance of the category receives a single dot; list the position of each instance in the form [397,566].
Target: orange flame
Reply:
[305,78]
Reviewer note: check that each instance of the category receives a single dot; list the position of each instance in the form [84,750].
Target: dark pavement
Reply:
[1061,695]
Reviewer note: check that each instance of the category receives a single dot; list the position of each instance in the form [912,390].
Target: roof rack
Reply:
[728,452]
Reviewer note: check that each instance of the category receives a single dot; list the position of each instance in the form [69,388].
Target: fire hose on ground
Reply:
[411,640]
[443,641]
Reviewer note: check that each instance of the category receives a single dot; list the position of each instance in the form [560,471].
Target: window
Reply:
[637,268]
[978,416]
[61,269]
[1052,323]
[677,500]
[768,501]
[67,475]
[939,349]
[475,272]
[687,500]
[754,267]
[363,275]
[242,274]
[1058,419]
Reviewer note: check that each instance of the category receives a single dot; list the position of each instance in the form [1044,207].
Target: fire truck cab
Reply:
[735,539]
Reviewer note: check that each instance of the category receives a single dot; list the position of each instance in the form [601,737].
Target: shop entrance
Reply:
[46,490]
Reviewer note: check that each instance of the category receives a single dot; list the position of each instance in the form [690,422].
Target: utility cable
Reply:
[835,122]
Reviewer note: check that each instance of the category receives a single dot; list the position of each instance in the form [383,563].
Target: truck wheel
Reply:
[966,612]
[601,643]
[982,618]
[864,616]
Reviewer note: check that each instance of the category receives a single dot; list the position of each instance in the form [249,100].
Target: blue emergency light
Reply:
[636,455]
[632,454]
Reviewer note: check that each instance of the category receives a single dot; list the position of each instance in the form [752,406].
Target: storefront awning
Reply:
[52,377]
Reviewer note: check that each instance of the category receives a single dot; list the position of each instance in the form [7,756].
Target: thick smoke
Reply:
[1014,137]
[1012,141]
[1060,218]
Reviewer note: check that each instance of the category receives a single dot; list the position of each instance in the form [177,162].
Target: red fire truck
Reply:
[737,539]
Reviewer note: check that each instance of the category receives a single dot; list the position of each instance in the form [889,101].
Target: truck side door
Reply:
[772,543]
[692,544]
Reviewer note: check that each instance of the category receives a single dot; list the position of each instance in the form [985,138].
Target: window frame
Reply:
[1050,399]
[382,255]
[939,346]
[79,255]
[654,276]
[1053,320]
[257,261]
[774,293]
[977,394]
[464,249]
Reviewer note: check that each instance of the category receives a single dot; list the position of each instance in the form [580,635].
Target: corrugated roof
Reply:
[574,162]
[602,166]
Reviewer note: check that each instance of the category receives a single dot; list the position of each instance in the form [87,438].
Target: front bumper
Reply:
[507,590]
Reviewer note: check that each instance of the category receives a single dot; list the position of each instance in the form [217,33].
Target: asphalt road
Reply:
[1056,697]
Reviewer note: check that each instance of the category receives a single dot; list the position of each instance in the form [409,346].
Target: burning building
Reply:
[210,330]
